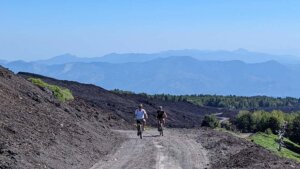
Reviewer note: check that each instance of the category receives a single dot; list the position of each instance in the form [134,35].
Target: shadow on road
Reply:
[151,135]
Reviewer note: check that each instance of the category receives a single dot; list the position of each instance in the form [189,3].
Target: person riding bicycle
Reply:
[141,116]
[161,116]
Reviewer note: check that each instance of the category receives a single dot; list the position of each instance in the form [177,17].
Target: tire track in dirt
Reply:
[175,150]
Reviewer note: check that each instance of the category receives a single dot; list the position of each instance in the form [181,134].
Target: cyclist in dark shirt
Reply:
[161,116]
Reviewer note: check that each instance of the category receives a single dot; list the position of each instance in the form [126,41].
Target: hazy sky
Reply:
[33,29]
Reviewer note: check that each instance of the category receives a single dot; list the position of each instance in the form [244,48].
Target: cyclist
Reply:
[141,116]
[161,116]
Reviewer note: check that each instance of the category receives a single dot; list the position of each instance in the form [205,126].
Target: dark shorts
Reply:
[160,118]
[140,121]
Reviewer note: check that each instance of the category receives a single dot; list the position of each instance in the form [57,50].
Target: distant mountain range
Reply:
[178,72]
[202,55]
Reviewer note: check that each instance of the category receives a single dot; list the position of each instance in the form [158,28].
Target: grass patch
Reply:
[62,94]
[269,141]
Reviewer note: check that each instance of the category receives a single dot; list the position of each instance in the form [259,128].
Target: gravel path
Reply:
[175,150]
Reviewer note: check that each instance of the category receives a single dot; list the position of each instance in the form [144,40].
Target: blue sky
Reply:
[36,29]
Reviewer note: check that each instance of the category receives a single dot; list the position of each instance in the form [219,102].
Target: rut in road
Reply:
[175,150]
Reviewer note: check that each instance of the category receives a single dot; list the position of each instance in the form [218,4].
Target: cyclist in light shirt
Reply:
[141,116]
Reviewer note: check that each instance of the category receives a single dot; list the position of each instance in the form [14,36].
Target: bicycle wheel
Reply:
[139,130]
[160,129]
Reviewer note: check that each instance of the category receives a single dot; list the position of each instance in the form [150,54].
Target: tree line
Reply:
[242,102]
[262,121]
[230,102]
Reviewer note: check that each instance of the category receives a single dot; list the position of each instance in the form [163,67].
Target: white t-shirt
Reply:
[140,114]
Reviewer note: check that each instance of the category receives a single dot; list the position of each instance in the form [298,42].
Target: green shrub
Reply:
[227,125]
[62,94]
[244,121]
[274,124]
[295,131]
[210,121]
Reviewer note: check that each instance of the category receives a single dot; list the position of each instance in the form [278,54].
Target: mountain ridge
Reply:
[177,72]
[216,55]
[179,75]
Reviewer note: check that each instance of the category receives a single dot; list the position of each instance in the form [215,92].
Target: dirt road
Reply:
[175,150]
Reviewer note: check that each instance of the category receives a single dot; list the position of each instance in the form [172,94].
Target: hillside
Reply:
[38,131]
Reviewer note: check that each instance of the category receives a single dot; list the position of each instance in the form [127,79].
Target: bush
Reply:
[274,124]
[62,94]
[210,121]
[244,121]
[226,125]
[295,131]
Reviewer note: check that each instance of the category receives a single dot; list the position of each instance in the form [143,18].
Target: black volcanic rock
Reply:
[35,133]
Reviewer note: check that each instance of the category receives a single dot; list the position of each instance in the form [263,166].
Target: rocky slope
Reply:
[37,131]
